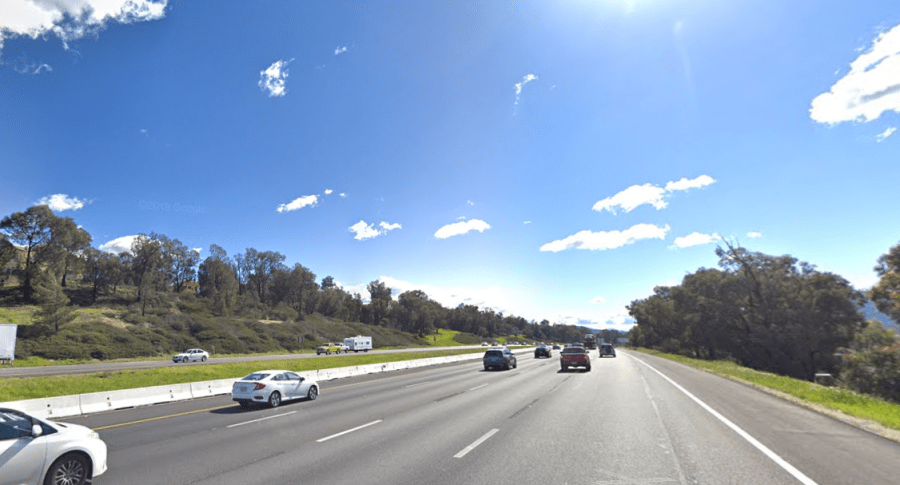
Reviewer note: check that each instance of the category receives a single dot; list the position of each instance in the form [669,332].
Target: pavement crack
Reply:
[517,413]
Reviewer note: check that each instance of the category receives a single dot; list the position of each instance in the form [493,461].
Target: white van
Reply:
[358,343]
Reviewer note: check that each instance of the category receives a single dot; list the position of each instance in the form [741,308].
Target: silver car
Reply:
[273,387]
[191,355]
[38,452]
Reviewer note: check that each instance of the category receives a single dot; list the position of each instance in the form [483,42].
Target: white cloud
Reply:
[695,239]
[527,223]
[119,245]
[71,20]
[62,202]
[328,191]
[598,300]
[343,194]
[870,88]
[686,184]
[273,79]
[197,250]
[885,134]
[525,80]
[340,50]
[459,228]
[754,234]
[299,203]
[632,197]
[470,203]
[598,241]
[638,195]
[368,231]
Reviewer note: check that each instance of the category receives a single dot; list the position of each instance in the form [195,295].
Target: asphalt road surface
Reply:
[634,419]
[60,370]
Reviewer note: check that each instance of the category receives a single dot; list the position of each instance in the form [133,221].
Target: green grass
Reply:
[444,338]
[848,402]
[15,389]
[20,315]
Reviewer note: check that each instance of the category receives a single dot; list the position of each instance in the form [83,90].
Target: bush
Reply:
[875,372]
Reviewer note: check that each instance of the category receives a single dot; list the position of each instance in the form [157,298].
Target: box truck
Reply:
[7,342]
[358,343]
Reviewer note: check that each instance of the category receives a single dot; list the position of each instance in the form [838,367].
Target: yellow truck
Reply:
[328,348]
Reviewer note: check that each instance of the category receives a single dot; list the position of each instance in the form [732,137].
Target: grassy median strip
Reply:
[15,389]
[833,398]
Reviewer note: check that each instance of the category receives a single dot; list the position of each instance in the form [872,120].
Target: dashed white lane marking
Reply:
[260,419]
[476,443]
[349,431]
[805,480]
[478,387]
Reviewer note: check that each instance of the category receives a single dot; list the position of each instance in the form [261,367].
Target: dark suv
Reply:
[542,351]
[501,358]
[607,349]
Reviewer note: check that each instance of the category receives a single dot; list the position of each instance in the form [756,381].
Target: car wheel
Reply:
[203,359]
[313,393]
[588,369]
[565,369]
[274,399]
[70,469]
[244,404]
[184,359]
[327,352]
[516,364]
[486,368]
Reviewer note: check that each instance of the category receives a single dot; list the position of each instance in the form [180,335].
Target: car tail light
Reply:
[259,386]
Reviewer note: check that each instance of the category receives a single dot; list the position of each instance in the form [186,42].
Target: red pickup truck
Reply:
[574,357]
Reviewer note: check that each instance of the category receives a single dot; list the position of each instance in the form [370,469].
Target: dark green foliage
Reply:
[769,313]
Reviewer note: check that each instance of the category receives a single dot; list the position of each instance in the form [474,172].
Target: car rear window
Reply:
[493,353]
[573,350]
[257,376]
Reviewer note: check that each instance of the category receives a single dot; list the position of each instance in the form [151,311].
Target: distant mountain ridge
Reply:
[870,312]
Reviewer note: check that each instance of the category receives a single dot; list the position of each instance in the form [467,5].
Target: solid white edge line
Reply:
[477,387]
[750,439]
[349,431]
[476,443]
[260,419]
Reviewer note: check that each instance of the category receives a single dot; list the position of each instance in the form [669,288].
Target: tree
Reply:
[328,282]
[217,281]
[69,243]
[380,302]
[32,230]
[101,270]
[55,310]
[886,293]
[148,268]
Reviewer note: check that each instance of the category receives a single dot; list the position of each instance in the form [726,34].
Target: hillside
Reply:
[114,328]
[870,312]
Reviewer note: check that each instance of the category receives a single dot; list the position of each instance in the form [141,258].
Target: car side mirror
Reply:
[36,430]
[301,379]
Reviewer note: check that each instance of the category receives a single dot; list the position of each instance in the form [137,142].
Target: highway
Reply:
[635,419]
[75,369]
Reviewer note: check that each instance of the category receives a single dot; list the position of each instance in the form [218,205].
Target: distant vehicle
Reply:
[555,346]
[358,343]
[590,342]
[542,351]
[495,344]
[607,349]
[37,452]
[484,344]
[574,357]
[501,358]
[273,387]
[191,355]
[328,348]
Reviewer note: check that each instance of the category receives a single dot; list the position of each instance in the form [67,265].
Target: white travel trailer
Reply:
[358,343]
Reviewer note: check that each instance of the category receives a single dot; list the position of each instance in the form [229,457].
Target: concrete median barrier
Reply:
[48,408]
[107,401]
[211,388]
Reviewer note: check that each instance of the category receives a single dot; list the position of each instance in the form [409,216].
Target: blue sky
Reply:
[554,160]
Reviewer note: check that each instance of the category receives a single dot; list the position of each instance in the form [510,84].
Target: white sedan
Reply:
[34,451]
[272,387]
[192,355]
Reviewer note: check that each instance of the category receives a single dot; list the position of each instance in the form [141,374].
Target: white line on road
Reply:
[476,443]
[260,419]
[416,384]
[759,446]
[349,431]
[478,387]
